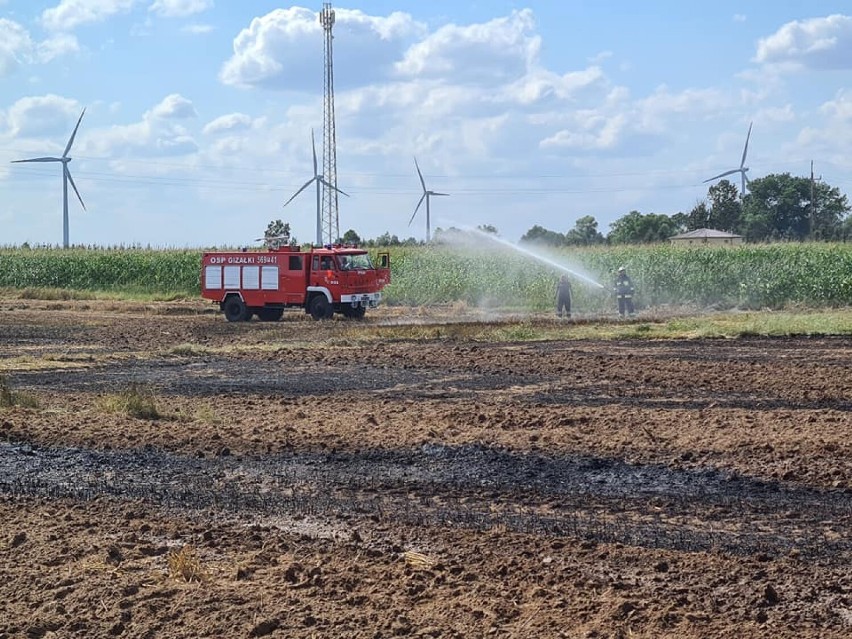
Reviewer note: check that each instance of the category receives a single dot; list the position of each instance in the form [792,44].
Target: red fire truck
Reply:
[327,280]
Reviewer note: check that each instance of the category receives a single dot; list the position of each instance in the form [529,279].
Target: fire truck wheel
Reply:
[354,313]
[235,310]
[320,308]
[270,314]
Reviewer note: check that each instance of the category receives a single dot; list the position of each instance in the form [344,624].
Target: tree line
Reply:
[778,207]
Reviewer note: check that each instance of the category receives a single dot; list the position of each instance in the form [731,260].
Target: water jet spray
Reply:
[535,256]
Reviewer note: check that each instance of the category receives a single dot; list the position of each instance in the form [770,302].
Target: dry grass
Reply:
[203,414]
[55,294]
[189,350]
[136,401]
[185,565]
[419,560]
[9,398]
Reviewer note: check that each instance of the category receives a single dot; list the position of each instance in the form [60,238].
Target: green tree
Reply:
[636,228]
[845,231]
[780,207]
[681,222]
[828,212]
[726,210]
[277,233]
[540,235]
[351,237]
[697,218]
[584,233]
[488,228]
[386,239]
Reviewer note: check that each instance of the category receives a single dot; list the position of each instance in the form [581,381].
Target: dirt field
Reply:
[397,477]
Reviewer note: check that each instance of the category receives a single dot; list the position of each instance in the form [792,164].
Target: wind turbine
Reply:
[320,180]
[66,178]
[426,196]
[743,168]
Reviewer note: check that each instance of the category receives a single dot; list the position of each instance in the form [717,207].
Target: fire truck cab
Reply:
[323,281]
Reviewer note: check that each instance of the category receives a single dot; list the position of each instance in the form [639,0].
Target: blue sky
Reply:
[199,112]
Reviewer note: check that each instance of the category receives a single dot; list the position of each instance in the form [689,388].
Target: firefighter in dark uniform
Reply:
[624,292]
[563,297]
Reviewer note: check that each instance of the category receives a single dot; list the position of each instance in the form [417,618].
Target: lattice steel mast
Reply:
[330,221]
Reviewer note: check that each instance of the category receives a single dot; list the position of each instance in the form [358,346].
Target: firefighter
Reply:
[624,292]
[563,297]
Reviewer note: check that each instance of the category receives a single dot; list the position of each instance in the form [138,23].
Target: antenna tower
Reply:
[330,222]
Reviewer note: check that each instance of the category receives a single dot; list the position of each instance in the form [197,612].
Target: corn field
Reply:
[752,276]
[126,271]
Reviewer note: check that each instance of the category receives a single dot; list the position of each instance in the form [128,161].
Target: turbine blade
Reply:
[314,149]
[304,186]
[38,160]
[74,186]
[417,208]
[716,177]
[422,182]
[436,193]
[331,186]
[73,135]
[745,148]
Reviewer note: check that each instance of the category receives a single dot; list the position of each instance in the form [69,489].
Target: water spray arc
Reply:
[535,256]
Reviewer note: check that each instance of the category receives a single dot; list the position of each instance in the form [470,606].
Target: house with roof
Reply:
[706,236]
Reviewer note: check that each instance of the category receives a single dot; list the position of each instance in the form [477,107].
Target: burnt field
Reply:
[166,474]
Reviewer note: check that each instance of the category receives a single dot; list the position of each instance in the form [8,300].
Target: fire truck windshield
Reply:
[360,262]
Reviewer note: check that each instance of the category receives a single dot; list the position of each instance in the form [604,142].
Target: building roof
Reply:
[701,234]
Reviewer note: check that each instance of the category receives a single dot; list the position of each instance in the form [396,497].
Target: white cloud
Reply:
[156,135]
[175,107]
[44,115]
[69,14]
[497,51]
[230,122]
[198,29]
[819,43]
[657,109]
[739,17]
[57,46]
[599,58]
[284,49]
[840,108]
[540,84]
[591,132]
[777,114]
[829,140]
[626,125]
[179,8]
[15,46]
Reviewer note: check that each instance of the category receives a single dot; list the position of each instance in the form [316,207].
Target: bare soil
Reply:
[398,477]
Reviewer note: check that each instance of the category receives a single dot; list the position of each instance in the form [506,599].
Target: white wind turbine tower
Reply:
[320,181]
[66,178]
[426,196]
[743,168]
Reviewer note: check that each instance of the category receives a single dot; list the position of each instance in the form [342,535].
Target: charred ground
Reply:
[354,479]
